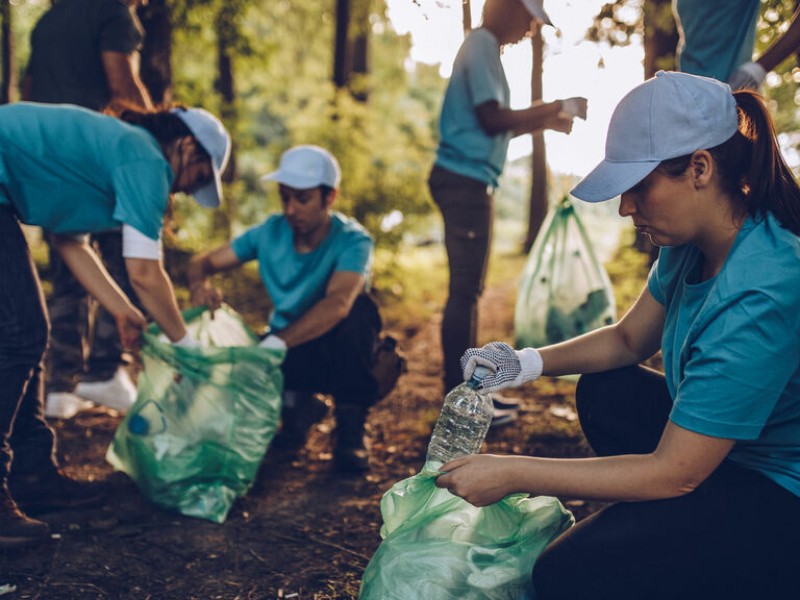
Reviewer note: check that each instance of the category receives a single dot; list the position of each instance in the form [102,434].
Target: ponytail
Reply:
[162,123]
[768,183]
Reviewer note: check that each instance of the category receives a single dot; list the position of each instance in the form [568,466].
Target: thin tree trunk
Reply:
[466,13]
[341,60]
[538,198]
[8,84]
[359,52]
[156,56]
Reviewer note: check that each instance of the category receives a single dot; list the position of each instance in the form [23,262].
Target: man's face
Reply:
[305,209]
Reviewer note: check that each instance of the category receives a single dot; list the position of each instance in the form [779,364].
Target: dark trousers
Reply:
[467,208]
[736,536]
[84,342]
[23,340]
[339,362]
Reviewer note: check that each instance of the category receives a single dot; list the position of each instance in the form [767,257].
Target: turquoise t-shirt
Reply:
[70,170]
[731,346]
[716,35]
[477,77]
[295,281]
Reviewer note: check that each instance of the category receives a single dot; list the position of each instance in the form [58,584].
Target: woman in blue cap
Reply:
[72,171]
[701,463]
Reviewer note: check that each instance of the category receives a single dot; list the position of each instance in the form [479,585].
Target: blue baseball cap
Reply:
[670,115]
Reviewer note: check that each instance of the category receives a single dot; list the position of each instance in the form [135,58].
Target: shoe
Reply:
[16,528]
[301,411]
[118,393]
[350,455]
[53,490]
[64,405]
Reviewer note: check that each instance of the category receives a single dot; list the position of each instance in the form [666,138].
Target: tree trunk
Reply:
[466,12]
[156,56]
[359,51]
[538,200]
[341,60]
[8,84]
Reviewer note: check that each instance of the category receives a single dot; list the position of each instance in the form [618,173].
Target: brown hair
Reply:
[751,167]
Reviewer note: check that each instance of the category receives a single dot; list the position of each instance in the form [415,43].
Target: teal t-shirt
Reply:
[70,170]
[731,346]
[477,77]
[295,281]
[716,35]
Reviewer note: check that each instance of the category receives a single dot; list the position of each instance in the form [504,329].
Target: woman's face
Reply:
[661,207]
[193,169]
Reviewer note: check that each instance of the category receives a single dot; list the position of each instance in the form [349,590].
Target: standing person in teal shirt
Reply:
[475,127]
[72,171]
[702,462]
[315,264]
[717,39]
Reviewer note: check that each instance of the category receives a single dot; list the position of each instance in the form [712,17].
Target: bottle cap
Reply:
[138,425]
[480,372]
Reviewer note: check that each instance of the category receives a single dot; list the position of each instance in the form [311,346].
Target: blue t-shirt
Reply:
[731,346]
[478,77]
[70,170]
[295,281]
[716,35]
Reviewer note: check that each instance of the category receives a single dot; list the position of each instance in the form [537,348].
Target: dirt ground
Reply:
[302,531]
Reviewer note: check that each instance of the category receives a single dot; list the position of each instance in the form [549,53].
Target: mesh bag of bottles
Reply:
[437,546]
[564,290]
[203,417]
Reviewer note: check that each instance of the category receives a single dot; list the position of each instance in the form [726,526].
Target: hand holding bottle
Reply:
[510,368]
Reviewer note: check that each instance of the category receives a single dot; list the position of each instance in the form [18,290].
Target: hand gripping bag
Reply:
[203,417]
[437,546]
[564,291]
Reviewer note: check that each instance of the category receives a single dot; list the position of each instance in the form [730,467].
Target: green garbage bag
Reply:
[438,546]
[203,418]
[564,290]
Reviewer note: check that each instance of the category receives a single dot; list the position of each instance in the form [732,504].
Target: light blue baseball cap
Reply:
[670,115]
[536,9]
[305,167]
[211,134]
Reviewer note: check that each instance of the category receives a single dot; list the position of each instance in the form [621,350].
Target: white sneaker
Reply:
[118,393]
[64,405]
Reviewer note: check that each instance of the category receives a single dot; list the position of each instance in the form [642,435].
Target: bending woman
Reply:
[702,463]
[72,171]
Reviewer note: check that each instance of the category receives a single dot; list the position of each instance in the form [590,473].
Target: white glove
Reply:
[187,341]
[509,367]
[749,75]
[575,107]
[272,342]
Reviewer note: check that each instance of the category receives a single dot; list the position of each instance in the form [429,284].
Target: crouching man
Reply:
[315,265]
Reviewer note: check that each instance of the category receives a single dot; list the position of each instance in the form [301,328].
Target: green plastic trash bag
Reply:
[564,290]
[203,417]
[438,546]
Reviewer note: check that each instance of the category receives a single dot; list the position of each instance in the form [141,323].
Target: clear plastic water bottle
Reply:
[463,421]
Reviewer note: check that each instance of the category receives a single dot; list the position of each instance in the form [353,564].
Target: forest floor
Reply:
[303,531]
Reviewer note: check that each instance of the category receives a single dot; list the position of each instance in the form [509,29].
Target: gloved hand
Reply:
[575,107]
[749,75]
[272,342]
[187,341]
[510,367]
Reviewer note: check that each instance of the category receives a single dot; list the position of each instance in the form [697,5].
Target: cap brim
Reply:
[610,179]
[210,195]
[537,11]
[293,180]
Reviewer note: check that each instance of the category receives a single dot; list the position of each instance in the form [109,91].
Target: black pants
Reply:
[23,340]
[84,341]
[736,536]
[339,362]
[467,208]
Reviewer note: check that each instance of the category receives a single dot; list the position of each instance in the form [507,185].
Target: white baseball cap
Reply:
[670,115]
[536,8]
[305,167]
[210,133]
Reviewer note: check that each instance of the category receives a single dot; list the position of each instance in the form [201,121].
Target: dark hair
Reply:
[162,123]
[751,167]
[325,190]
